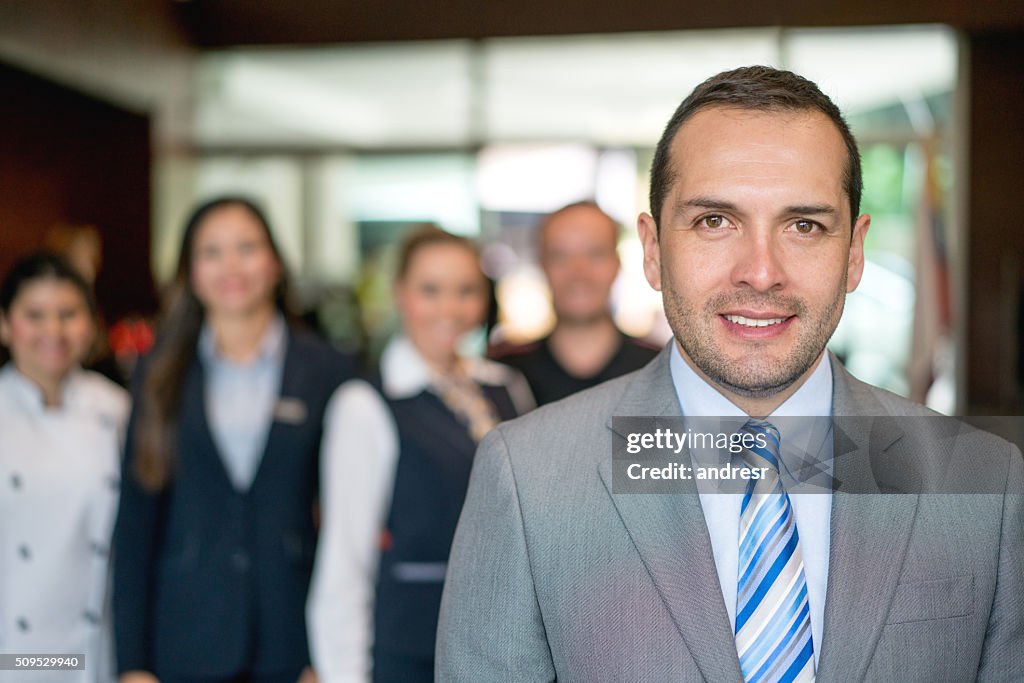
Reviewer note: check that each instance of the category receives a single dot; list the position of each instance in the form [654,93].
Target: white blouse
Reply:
[59,480]
[358,458]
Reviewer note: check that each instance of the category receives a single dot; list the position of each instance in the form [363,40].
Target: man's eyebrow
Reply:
[811,210]
[705,203]
[716,204]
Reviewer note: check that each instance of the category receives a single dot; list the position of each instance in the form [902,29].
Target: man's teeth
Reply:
[753,322]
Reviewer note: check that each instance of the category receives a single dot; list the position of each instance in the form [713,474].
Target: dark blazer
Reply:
[210,581]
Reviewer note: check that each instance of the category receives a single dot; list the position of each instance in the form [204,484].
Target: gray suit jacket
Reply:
[552,576]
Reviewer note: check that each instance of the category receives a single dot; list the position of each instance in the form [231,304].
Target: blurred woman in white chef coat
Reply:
[60,443]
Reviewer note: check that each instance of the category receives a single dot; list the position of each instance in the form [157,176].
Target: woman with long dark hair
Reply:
[61,429]
[397,455]
[216,532]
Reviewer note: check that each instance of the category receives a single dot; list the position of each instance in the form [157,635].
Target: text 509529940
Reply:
[40,662]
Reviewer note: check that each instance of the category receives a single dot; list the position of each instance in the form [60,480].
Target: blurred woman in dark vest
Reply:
[398,450]
[216,532]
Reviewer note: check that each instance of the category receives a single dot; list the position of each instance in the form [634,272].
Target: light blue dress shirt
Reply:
[240,400]
[812,508]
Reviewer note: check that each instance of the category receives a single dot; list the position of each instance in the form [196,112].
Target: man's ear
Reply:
[855,264]
[648,230]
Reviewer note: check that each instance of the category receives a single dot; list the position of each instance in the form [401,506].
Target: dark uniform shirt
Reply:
[551,382]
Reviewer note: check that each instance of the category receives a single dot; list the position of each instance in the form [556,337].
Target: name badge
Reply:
[290,410]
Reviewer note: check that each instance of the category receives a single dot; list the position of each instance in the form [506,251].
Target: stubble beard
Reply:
[758,377]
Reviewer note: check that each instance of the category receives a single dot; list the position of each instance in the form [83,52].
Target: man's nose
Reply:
[758,262]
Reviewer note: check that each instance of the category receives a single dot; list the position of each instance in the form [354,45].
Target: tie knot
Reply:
[764,452]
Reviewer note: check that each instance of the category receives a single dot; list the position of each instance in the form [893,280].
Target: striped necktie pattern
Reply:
[773,619]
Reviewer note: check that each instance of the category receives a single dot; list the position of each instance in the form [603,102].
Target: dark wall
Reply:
[995,226]
[220,23]
[65,157]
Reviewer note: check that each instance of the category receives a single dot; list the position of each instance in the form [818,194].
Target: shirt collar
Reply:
[802,438]
[403,371]
[271,347]
[32,395]
[697,397]
[405,374]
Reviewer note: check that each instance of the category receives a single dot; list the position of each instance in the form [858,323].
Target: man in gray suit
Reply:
[893,573]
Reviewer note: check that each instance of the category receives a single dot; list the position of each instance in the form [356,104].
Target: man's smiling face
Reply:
[755,255]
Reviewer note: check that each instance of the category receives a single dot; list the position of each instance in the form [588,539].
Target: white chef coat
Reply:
[59,482]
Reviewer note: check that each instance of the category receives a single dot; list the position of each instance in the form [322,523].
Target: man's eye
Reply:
[714,221]
[805,227]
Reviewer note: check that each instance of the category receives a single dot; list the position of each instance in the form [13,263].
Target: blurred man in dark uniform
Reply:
[577,252]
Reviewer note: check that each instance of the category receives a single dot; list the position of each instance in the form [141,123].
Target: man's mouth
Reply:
[754,322]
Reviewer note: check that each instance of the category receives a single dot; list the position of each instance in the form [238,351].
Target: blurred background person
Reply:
[216,532]
[82,247]
[577,246]
[396,462]
[61,430]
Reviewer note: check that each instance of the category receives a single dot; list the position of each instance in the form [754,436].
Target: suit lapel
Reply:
[870,532]
[196,408]
[293,378]
[671,536]
[287,409]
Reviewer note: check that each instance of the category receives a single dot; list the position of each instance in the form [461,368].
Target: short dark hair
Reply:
[758,88]
[42,265]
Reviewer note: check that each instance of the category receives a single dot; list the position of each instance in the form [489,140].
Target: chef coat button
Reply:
[25,552]
[91,617]
[98,548]
[16,481]
[22,624]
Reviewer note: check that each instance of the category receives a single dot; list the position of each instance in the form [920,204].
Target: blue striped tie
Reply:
[773,620]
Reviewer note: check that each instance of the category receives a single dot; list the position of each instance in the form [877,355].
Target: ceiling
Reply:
[224,23]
